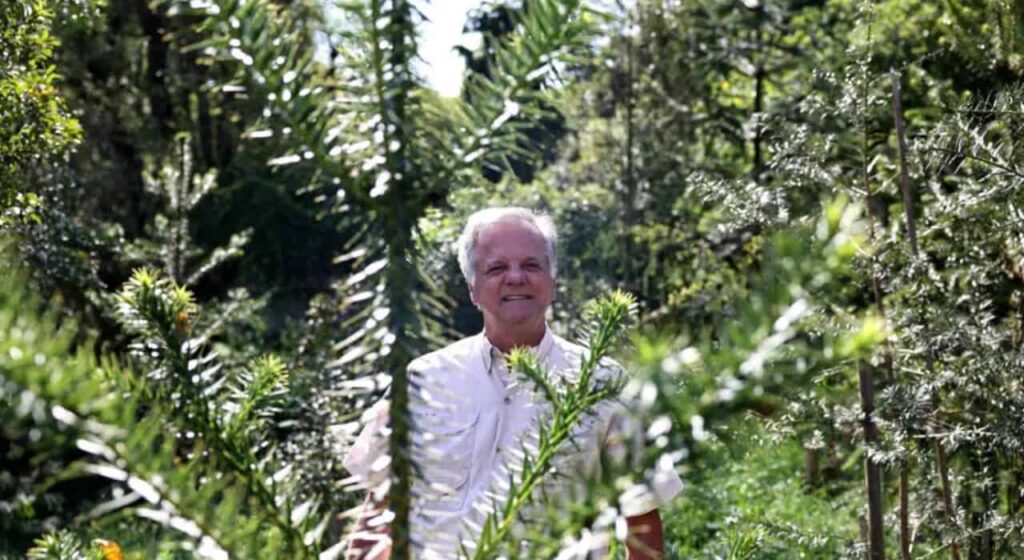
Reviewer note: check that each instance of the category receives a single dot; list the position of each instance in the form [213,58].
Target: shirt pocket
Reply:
[445,444]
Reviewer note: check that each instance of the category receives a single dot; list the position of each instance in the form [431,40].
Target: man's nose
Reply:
[514,275]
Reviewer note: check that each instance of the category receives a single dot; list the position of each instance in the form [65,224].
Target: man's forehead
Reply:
[520,242]
[510,238]
[503,257]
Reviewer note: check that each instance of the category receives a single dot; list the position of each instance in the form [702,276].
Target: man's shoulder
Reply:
[460,353]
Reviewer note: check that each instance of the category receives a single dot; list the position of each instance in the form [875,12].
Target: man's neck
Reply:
[505,340]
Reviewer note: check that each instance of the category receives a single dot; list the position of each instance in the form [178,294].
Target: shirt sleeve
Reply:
[624,442]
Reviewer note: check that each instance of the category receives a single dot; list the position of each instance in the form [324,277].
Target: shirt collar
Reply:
[489,352]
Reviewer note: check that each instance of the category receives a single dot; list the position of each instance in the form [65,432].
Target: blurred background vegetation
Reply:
[227,225]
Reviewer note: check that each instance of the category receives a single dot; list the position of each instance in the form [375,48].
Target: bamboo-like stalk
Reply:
[908,214]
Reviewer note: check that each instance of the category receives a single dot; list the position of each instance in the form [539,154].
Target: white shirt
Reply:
[471,421]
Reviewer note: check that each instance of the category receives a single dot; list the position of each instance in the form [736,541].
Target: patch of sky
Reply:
[440,32]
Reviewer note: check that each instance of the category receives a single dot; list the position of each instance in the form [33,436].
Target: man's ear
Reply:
[472,295]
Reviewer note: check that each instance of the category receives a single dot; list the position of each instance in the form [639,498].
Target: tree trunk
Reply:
[154,26]
[629,175]
[908,214]
[759,87]
[862,522]
[947,495]
[1012,491]
[905,537]
[901,143]
[872,470]
[986,504]
[811,467]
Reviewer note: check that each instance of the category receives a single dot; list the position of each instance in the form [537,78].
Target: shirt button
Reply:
[508,400]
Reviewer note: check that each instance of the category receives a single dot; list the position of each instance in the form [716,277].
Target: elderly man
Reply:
[471,417]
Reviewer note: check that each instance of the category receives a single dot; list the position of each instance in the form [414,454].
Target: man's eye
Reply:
[494,269]
[533,267]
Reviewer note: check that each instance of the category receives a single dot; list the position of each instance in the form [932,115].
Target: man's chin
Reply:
[518,318]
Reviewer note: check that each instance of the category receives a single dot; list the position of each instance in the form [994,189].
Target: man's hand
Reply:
[370,542]
[645,539]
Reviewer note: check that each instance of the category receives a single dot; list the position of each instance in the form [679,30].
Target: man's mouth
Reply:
[516,298]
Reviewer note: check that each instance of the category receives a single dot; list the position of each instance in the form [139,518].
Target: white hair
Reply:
[483,218]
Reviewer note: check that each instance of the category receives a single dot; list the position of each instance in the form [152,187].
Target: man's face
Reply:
[513,286]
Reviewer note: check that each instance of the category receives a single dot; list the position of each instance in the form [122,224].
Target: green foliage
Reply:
[39,359]
[35,124]
[63,545]
[223,412]
[750,501]
[263,148]
[786,337]
[191,445]
[180,190]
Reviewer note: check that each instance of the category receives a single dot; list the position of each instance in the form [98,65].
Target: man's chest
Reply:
[472,444]
[474,424]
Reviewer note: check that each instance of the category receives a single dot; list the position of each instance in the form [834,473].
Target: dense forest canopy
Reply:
[226,227]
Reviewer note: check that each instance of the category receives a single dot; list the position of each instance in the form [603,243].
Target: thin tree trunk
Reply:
[901,143]
[947,494]
[811,466]
[862,522]
[989,502]
[832,463]
[629,200]
[904,487]
[179,205]
[759,86]
[1014,499]
[872,470]
[905,537]
[908,214]
[154,26]
[1019,335]
[205,133]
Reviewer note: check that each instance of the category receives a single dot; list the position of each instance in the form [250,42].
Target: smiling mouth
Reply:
[516,298]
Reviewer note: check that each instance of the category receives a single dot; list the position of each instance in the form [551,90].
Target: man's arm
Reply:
[369,539]
[645,538]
